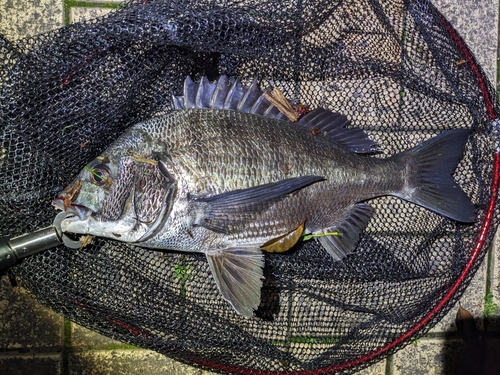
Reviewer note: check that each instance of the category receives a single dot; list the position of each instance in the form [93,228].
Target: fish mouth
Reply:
[72,209]
[65,202]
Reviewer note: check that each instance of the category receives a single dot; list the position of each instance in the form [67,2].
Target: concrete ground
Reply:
[35,340]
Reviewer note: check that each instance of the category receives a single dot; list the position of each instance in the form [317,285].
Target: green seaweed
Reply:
[68,4]
[490,306]
[183,273]
[309,236]
[66,127]
[405,35]
[90,170]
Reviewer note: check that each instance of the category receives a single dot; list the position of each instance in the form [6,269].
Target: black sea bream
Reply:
[227,175]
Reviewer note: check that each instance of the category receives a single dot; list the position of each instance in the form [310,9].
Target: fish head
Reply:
[121,195]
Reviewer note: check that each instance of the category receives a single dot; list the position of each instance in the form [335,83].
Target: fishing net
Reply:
[397,69]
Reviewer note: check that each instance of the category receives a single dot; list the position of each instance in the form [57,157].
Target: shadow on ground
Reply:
[476,352]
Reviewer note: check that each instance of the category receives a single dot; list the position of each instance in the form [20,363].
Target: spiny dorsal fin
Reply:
[224,95]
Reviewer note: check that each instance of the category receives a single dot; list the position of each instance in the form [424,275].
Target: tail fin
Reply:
[429,182]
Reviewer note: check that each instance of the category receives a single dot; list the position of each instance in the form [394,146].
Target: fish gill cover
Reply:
[395,69]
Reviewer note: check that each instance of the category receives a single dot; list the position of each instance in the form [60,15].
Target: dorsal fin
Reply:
[335,126]
[222,94]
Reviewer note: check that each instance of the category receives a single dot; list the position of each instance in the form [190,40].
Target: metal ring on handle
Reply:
[67,241]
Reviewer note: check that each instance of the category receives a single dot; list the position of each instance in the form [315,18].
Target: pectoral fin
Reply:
[351,227]
[238,274]
[230,211]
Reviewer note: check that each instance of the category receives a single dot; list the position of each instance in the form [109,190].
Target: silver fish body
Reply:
[225,182]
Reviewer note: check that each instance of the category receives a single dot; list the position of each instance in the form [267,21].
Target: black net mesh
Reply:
[395,68]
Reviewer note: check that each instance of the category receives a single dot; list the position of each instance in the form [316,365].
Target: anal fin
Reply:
[351,227]
[238,273]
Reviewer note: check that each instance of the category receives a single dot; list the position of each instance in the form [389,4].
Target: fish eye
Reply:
[99,175]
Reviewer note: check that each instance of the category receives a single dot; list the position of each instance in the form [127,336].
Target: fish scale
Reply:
[262,147]
[223,179]
[308,154]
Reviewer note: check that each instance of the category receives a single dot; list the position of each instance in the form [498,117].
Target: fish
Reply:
[227,174]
